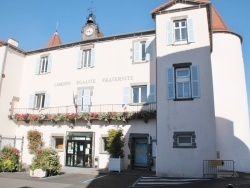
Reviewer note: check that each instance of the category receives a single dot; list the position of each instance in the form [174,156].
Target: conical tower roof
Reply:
[218,23]
[54,40]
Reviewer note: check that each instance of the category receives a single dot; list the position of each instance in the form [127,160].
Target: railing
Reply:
[216,168]
[90,108]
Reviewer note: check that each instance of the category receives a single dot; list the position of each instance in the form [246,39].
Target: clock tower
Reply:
[90,30]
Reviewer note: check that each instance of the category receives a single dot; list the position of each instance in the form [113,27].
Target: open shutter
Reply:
[37,66]
[149,50]
[137,52]
[31,101]
[79,99]
[170,36]
[47,100]
[86,100]
[79,60]
[92,63]
[190,27]
[126,95]
[151,93]
[49,63]
[195,81]
[170,83]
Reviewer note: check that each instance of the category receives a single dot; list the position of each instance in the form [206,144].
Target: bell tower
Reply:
[90,30]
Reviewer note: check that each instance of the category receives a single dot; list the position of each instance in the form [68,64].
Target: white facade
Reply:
[195,82]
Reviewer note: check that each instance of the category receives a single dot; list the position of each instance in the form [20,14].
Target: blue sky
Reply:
[32,22]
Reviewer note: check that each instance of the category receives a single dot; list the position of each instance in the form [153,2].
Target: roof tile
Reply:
[54,40]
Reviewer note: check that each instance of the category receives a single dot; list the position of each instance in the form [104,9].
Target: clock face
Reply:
[89,31]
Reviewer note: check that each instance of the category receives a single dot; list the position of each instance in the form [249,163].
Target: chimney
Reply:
[13,42]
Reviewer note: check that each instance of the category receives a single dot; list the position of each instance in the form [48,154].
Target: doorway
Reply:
[79,150]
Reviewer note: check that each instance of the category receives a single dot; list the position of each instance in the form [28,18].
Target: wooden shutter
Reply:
[190,28]
[170,36]
[151,93]
[137,53]
[195,81]
[149,50]
[92,63]
[37,69]
[79,99]
[49,63]
[79,60]
[47,100]
[31,101]
[126,95]
[86,100]
[170,83]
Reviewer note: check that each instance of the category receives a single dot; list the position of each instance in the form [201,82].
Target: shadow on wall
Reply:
[230,146]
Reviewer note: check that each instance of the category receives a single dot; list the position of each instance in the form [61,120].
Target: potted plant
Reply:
[45,162]
[115,143]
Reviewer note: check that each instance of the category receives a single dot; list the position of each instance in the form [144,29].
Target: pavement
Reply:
[71,177]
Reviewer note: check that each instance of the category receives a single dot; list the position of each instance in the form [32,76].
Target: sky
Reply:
[33,22]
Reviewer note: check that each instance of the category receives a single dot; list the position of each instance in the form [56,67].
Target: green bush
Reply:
[10,159]
[46,159]
[115,143]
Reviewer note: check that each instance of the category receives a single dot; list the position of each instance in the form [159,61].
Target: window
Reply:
[43,65]
[139,94]
[39,100]
[86,58]
[180,30]
[104,146]
[83,100]
[184,140]
[57,142]
[183,81]
[142,51]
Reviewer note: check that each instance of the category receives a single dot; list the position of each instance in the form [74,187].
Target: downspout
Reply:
[2,64]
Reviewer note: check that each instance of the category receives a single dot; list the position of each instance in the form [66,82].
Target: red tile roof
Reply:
[54,40]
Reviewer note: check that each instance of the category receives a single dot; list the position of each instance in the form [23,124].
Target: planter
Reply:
[38,173]
[116,164]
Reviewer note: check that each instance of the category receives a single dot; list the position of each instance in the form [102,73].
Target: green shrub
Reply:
[10,159]
[46,159]
[115,143]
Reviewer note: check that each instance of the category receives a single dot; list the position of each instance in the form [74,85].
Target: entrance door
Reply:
[141,153]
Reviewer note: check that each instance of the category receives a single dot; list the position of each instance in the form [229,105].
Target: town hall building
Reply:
[178,92]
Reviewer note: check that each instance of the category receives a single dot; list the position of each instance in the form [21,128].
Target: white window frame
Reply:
[103,144]
[86,58]
[39,100]
[185,134]
[183,80]
[44,63]
[139,94]
[180,29]
[184,143]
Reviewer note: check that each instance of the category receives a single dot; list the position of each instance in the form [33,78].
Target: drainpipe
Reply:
[2,65]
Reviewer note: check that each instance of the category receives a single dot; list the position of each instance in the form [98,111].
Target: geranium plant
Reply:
[35,139]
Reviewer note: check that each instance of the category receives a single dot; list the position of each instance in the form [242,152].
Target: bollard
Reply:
[230,186]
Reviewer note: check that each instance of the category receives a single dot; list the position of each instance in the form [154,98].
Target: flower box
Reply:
[116,164]
[38,173]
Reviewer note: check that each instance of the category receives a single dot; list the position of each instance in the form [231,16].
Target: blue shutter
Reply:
[37,66]
[149,50]
[151,93]
[31,101]
[79,60]
[170,83]
[79,99]
[47,100]
[190,27]
[195,81]
[126,95]
[92,63]
[49,63]
[86,100]
[137,57]
[170,36]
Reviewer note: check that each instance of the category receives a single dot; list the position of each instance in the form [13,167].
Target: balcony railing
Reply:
[89,109]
